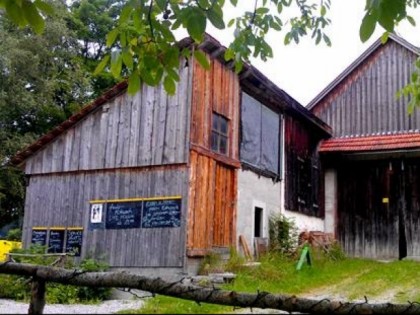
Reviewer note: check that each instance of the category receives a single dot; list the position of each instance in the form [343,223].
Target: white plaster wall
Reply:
[330,200]
[305,222]
[255,191]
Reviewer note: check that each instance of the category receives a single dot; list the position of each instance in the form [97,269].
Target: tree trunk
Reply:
[208,295]
[37,303]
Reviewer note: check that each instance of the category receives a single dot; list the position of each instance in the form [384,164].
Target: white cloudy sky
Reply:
[303,70]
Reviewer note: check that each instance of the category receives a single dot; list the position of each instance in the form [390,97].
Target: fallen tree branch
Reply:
[199,294]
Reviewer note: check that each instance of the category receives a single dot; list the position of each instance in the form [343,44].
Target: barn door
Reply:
[379,208]
[224,220]
[367,221]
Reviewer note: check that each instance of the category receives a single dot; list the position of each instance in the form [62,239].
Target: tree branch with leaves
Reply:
[142,47]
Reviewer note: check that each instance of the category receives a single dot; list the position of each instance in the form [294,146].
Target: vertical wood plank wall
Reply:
[370,227]
[130,147]
[149,128]
[302,143]
[213,178]
[366,103]
[67,204]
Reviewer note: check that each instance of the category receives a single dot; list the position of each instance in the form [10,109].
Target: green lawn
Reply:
[350,279]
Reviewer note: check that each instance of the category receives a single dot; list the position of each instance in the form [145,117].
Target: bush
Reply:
[14,235]
[93,294]
[335,252]
[18,288]
[283,235]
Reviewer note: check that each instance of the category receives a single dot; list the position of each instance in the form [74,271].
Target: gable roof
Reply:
[381,142]
[249,77]
[362,58]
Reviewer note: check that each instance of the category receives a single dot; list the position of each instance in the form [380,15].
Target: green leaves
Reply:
[202,59]
[412,89]
[144,35]
[116,64]
[26,12]
[367,27]
[31,14]
[216,18]
[169,85]
[133,83]
[386,13]
[111,37]
[101,66]
[196,24]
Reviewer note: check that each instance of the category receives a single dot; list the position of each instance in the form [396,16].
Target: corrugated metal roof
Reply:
[372,143]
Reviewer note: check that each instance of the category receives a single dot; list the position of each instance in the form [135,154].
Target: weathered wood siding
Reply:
[411,205]
[365,102]
[382,208]
[215,90]
[212,211]
[213,177]
[303,183]
[149,128]
[63,200]
[368,227]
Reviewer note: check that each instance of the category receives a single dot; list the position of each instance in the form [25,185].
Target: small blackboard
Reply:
[74,241]
[39,237]
[161,213]
[56,241]
[123,215]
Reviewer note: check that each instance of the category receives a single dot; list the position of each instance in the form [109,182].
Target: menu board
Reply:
[161,213]
[123,215]
[39,236]
[74,241]
[56,241]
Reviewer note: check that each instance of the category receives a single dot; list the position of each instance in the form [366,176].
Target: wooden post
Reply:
[37,303]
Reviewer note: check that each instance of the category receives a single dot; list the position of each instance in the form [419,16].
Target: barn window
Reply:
[260,136]
[219,134]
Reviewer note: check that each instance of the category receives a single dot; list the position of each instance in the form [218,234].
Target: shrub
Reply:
[283,235]
[18,288]
[89,293]
[335,252]
[14,235]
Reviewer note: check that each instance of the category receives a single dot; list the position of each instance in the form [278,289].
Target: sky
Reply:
[303,70]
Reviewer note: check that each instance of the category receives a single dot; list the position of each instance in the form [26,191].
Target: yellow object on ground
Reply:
[6,247]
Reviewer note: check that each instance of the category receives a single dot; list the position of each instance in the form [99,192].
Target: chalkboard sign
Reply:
[74,241]
[123,215]
[161,213]
[39,237]
[56,241]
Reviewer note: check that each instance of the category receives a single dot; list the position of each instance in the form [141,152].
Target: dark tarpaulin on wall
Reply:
[260,135]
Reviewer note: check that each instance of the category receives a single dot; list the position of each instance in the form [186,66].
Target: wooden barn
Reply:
[372,165]
[154,182]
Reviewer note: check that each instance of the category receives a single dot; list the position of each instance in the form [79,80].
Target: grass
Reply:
[348,279]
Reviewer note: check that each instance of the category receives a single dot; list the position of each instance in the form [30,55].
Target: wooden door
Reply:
[379,208]
[367,220]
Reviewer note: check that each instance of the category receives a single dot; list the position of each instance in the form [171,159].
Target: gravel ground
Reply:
[106,307]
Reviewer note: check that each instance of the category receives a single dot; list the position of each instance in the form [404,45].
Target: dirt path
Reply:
[106,307]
